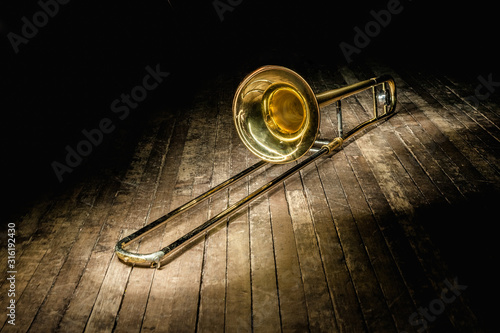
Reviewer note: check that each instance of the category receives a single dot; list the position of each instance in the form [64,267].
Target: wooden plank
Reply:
[485,117]
[476,123]
[107,303]
[292,303]
[49,243]
[475,170]
[401,250]
[33,249]
[460,313]
[429,166]
[445,153]
[197,166]
[357,212]
[394,181]
[169,283]
[448,127]
[421,244]
[26,226]
[238,316]
[50,313]
[265,309]
[83,299]
[239,297]
[463,174]
[358,263]
[319,304]
[386,271]
[104,310]
[179,282]
[395,237]
[359,195]
[344,246]
[348,314]
[465,90]
[85,294]
[39,222]
[136,298]
[265,302]
[478,135]
[211,312]
[325,194]
[320,311]
[434,266]
[430,158]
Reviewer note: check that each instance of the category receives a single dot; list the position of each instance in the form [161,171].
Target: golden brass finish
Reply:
[276,115]
[284,111]
[337,142]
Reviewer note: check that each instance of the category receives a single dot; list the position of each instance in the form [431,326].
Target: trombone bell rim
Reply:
[276,114]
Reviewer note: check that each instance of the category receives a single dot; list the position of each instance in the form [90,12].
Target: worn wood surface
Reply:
[382,237]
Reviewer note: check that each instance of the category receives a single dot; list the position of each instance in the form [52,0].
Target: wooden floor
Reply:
[388,235]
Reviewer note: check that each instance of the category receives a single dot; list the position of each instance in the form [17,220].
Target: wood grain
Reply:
[352,243]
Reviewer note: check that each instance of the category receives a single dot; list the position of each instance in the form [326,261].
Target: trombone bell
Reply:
[276,114]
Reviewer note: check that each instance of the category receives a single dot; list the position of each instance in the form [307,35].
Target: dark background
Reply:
[65,78]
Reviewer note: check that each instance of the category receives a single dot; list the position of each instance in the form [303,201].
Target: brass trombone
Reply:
[277,117]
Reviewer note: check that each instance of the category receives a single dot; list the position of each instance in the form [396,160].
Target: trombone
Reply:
[277,117]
